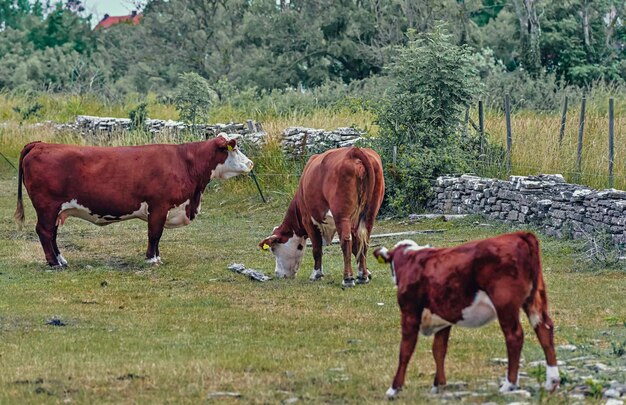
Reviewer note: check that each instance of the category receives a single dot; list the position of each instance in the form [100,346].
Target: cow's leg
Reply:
[440,348]
[345,236]
[46,230]
[359,250]
[156,222]
[316,244]
[508,316]
[544,329]
[55,247]
[410,329]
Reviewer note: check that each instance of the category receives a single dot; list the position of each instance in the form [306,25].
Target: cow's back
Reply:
[109,179]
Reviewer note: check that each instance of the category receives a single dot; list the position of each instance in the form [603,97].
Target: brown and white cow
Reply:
[340,191]
[471,285]
[160,184]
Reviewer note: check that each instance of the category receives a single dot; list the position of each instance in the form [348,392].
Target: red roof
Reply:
[108,20]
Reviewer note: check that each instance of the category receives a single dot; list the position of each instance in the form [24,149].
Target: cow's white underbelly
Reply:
[176,217]
[327,228]
[479,313]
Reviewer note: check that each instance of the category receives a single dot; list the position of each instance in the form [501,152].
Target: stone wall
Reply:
[295,141]
[298,141]
[90,126]
[559,208]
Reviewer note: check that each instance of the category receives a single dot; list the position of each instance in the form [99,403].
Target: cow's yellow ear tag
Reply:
[381,260]
[230,148]
[266,246]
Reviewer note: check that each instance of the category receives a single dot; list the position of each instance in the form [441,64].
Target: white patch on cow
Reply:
[177,216]
[327,228]
[552,378]
[508,386]
[391,393]
[481,312]
[73,209]
[154,260]
[534,319]
[411,246]
[432,323]
[61,260]
[288,256]
[316,274]
[141,213]
[236,163]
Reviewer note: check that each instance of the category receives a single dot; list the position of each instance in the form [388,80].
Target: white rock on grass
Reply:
[613,401]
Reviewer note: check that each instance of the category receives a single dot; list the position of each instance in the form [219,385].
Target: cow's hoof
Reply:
[508,387]
[347,282]
[392,393]
[61,260]
[363,280]
[434,390]
[316,275]
[551,385]
[156,260]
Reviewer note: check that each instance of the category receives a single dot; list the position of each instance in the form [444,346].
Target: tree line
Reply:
[269,45]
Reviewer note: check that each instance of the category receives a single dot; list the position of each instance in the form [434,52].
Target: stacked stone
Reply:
[299,141]
[560,208]
[90,126]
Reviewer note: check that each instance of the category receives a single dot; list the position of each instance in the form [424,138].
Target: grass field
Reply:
[135,333]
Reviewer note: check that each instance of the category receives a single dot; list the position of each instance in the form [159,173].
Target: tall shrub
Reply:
[434,81]
[193,98]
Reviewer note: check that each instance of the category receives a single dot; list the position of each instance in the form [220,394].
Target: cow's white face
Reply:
[236,163]
[288,256]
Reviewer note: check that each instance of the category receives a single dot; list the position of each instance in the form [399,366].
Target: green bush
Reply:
[193,98]
[433,83]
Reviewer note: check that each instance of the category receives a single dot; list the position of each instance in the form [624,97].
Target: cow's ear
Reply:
[221,140]
[231,144]
[266,244]
[382,255]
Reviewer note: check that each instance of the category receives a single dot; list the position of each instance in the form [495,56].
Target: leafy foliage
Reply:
[434,81]
[193,98]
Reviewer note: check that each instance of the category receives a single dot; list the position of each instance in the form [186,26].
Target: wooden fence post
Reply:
[581,130]
[563,118]
[509,134]
[481,126]
[611,139]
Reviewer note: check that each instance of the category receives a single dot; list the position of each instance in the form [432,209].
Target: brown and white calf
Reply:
[471,285]
[340,191]
[160,184]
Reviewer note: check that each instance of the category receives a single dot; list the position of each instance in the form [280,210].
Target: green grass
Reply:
[174,333]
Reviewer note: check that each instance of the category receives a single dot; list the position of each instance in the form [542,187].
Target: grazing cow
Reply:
[160,184]
[471,285]
[340,192]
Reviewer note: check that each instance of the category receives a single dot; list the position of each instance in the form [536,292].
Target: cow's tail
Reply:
[364,191]
[19,211]
[537,302]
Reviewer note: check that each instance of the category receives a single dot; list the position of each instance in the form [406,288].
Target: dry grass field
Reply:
[176,333]
[111,329]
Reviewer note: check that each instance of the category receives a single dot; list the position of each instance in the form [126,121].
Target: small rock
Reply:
[569,348]
[497,360]
[291,400]
[611,393]
[218,394]
[613,401]
[55,322]
[521,393]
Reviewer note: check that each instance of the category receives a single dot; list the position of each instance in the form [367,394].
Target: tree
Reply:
[435,81]
[193,98]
